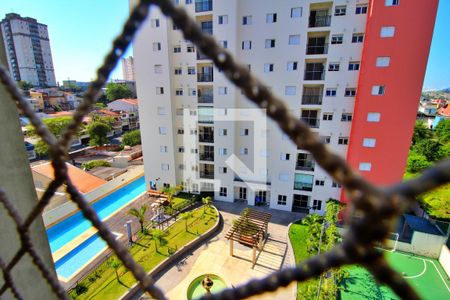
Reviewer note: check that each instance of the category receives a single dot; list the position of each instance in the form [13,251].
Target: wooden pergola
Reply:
[249,229]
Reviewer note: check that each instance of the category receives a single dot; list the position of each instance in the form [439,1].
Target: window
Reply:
[270,43]
[378,90]
[317,204]
[192,92]
[223,132]
[246,45]
[383,61]
[244,131]
[358,38]
[283,177]
[340,10]
[303,182]
[294,39]
[336,185]
[282,199]
[194,151]
[181,167]
[330,92]
[224,44]
[191,70]
[290,90]
[165,167]
[350,92]
[180,131]
[162,111]
[222,90]
[268,68]
[392,2]
[162,130]
[178,71]
[222,151]
[387,31]
[181,149]
[346,117]
[179,92]
[369,142]
[159,90]
[247,20]
[337,39]
[243,193]
[243,151]
[163,149]
[223,20]
[353,66]
[327,116]
[326,139]
[333,66]
[373,117]
[361,9]
[176,49]
[188,2]
[190,48]
[158,69]
[271,18]
[343,141]
[296,12]
[223,191]
[155,23]
[285,156]
[292,65]
[365,166]
[320,182]
[156,46]
[223,170]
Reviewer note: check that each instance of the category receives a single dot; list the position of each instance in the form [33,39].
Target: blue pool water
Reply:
[65,231]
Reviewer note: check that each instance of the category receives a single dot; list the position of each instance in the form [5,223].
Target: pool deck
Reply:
[213,257]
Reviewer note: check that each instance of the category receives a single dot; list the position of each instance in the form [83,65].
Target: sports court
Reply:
[424,274]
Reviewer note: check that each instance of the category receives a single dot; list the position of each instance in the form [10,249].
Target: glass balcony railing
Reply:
[305,165]
[205,99]
[303,186]
[319,21]
[207,175]
[201,6]
[206,138]
[314,75]
[207,156]
[312,99]
[316,49]
[204,77]
[312,123]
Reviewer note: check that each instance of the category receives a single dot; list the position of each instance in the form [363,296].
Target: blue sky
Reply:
[81,32]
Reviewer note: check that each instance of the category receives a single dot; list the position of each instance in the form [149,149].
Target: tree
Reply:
[207,202]
[117,91]
[157,235]
[115,264]
[139,214]
[24,85]
[314,223]
[186,216]
[41,148]
[55,125]
[100,105]
[443,130]
[169,192]
[431,149]
[421,132]
[98,132]
[416,162]
[132,138]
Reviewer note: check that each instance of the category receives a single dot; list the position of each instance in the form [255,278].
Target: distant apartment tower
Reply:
[351,70]
[128,68]
[28,51]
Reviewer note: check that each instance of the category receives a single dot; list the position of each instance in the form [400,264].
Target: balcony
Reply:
[205,98]
[205,77]
[206,135]
[314,72]
[312,123]
[319,18]
[207,156]
[303,186]
[312,95]
[207,175]
[201,56]
[305,162]
[201,6]
[312,49]
[207,27]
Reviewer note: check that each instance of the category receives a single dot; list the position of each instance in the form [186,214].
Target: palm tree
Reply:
[170,191]
[186,216]
[157,235]
[139,214]
[115,264]
[207,202]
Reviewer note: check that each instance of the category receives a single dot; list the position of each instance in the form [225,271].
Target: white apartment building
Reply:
[128,68]
[308,52]
[28,50]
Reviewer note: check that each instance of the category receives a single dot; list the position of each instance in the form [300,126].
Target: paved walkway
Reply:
[213,257]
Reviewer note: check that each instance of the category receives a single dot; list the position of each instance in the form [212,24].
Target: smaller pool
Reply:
[72,262]
[196,290]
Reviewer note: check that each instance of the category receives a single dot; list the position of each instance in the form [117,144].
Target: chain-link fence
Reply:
[372,212]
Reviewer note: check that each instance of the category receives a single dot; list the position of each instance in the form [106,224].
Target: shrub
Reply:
[95,163]
[132,138]
[416,162]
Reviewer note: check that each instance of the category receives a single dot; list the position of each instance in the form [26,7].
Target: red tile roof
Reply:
[129,101]
[445,110]
[108,112]
[83,181]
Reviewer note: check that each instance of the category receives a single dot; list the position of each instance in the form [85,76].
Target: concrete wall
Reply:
[63,211]
[428,245]
[444,259]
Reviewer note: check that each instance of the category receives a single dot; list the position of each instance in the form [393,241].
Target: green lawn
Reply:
[297,235]
[102,283]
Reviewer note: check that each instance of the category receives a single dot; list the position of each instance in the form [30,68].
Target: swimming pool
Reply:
[65,231]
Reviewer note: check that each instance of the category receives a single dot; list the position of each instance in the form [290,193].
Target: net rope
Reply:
[376,208]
